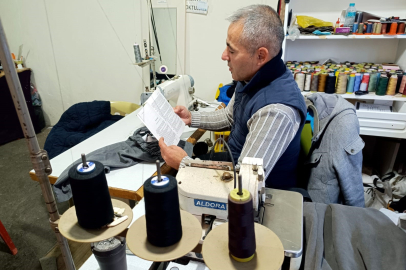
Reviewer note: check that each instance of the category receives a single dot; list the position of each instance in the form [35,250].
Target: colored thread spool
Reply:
[330,84]
[308,82]
[400,77]
[364,82]
[162,214]
[341,83]
[241,232]
[403,85]
[372,82]
[401,29]
[378,29]
[350,84]
[369,29]
[315,83]
[391,90]
[357,82]
[360,29]
[91,195]
[355,28]
[384,27]
[382,85]
[137,52]
[374,28]
[300,80]
[393,28]
[322,82]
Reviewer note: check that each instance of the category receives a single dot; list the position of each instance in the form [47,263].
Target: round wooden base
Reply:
[137,240]
[269,253]
[69,227]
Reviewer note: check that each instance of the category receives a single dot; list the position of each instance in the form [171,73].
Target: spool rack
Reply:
[358,48]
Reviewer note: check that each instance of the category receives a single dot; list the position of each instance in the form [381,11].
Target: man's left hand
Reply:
[172,154]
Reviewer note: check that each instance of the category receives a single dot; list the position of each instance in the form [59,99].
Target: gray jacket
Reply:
[342,237]
[335,157]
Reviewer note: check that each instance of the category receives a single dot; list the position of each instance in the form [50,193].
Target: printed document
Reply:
[158,116]
[373,107]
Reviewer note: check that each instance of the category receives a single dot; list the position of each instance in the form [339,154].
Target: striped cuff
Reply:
[183,161]
[196,117]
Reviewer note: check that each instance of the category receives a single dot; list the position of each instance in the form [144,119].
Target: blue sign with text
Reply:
[209,204]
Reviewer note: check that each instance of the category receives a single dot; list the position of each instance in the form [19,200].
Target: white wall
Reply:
[85,54]
[206,41]
[81,50]
[25,22]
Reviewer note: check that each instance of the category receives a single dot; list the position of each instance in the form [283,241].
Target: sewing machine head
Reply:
[204,186]
[179,90]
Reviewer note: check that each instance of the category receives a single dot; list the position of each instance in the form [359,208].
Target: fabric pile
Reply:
[79,122]
[135,149]
[343,237]
[388,192]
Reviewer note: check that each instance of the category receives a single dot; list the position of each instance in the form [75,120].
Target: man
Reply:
[267,112]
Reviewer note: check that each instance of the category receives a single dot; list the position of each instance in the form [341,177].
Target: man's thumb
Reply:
[162,142]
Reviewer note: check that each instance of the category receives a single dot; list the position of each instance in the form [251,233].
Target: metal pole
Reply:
[39,158]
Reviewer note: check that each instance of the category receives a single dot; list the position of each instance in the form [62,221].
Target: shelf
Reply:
[370,96]
[349,37]
[144,62]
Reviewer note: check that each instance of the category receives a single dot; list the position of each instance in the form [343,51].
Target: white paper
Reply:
[161,120]
[373,107]
[197,6]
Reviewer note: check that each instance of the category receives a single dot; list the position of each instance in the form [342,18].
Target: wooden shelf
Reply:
[370,96]
[348,37]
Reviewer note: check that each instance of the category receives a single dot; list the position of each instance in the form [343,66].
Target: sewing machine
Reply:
[178,91]
[204,186]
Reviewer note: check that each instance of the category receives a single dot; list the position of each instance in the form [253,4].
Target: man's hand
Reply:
[184,114]
[172,155]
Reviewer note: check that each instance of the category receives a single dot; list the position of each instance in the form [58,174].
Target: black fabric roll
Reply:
[330,85]
[241,232]
[162,213]
[91,196]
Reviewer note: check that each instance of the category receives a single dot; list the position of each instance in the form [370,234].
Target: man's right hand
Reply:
[184,114]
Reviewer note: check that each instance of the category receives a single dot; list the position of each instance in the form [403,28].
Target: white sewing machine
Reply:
[178,91]
[204,186]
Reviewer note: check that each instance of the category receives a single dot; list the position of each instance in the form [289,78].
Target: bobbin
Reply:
[157,237]
[217,257]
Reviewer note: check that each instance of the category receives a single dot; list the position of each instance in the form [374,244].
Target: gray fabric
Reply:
[118,155]
[335,158]
[344,237]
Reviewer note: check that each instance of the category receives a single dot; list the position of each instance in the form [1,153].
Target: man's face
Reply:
[242,64]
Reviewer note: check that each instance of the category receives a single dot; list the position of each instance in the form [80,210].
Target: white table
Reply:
[124,183]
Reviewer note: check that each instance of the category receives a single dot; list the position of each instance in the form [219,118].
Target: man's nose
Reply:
[224,56]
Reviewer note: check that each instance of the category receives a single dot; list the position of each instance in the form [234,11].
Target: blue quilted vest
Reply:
[273,83]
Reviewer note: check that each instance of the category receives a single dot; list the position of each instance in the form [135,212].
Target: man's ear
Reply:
[262,56]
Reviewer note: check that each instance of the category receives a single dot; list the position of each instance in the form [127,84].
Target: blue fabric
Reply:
[223,94]
[310,118]
[273,83]
[79,122]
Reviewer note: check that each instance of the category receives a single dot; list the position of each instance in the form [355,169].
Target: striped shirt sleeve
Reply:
[220,120]
[271,129]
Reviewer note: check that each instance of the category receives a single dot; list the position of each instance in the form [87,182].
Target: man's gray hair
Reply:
[262,27]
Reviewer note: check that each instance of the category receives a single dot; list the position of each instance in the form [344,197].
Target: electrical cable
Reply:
[155,32]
